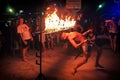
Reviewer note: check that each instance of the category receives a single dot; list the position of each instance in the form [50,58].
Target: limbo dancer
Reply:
[77,39]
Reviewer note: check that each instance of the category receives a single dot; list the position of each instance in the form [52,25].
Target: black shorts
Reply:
[101,42]
[26,45]
[112,35]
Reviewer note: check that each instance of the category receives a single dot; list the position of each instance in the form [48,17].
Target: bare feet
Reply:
[25,59]
[98,66]
[74,71]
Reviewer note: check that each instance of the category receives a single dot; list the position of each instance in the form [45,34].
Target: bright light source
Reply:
[100,6]
[10,9]
[21,11]
[42,13]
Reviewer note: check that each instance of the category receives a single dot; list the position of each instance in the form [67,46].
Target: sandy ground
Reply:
[58,64]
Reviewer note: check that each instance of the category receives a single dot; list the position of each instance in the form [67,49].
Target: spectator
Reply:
[25,34]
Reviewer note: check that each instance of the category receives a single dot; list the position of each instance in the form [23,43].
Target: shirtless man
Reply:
[77,39]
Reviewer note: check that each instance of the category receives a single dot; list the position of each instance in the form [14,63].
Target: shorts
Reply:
[112,35]
[26,45]
[101,42]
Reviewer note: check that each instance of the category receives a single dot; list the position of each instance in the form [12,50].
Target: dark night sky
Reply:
[32,5]
[20,4]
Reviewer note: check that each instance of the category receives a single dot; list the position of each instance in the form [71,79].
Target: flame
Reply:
[54,23]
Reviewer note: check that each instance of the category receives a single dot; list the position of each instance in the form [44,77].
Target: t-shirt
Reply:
[24,30]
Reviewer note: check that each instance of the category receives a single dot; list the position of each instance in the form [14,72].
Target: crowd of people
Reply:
[25,34]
